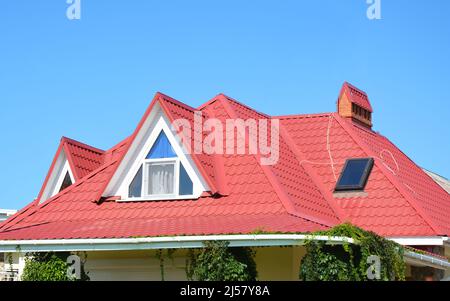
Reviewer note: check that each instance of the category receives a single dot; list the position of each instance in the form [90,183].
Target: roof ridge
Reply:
[417,207]
[212,183]
[82,145]
[219,169]
[273,180]
[409,159]
[302,116]
[174,101]
[228,98]
[341,215]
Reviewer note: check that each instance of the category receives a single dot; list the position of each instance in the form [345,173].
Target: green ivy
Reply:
[48,266]
[348,262]
[160,255]
[217,262]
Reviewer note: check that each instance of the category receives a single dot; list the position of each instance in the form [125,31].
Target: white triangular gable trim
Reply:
[156,122]
[53,185]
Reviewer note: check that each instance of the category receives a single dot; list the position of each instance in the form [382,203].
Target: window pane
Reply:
[161,178]
[134,191]
[66,182]
[186,186]
[161,148]
[355,174]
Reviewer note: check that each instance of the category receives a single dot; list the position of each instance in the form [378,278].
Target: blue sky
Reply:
[92,79]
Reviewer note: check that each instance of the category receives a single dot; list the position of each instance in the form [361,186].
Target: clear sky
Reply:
[92,79]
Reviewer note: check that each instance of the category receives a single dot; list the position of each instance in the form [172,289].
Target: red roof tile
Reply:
[294,195]
[83,158]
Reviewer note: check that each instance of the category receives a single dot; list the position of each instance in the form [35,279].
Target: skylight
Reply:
[355,174]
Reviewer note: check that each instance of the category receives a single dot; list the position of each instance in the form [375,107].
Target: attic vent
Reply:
[354,103]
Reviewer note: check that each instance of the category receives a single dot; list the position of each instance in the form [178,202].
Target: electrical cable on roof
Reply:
[393,159]
[332,163]
[329,147]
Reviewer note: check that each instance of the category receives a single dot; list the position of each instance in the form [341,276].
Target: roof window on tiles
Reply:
[355,174]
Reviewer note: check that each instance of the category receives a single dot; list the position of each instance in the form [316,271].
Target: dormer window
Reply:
[355,174]
[66,182]
[162,174]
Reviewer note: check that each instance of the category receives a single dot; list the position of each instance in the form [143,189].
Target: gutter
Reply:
[426,260]
[173,242]
[421,241]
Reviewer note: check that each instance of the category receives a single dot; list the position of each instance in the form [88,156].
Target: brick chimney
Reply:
[355,105]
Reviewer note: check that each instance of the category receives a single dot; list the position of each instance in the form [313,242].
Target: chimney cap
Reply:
[356,96]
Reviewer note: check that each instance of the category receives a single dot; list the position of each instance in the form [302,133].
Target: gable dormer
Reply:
[156,166]
[73,161]
[59,177]
[354,104]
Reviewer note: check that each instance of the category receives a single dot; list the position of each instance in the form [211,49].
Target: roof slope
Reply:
[78,211]
[294,195]
[390,205]
[83,158]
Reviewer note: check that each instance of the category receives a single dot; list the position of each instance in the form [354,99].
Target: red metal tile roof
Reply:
[83,158]
[294,195]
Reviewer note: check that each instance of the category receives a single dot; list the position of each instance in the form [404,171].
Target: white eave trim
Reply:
[185,242]
[420,241]
[173,242]
[7,212]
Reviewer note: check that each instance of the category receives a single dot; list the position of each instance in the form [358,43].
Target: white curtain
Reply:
[161,179]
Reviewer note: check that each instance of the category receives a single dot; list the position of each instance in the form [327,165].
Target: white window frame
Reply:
[197,189]
[53,185]
[146,196]
[145,176]
[66,169]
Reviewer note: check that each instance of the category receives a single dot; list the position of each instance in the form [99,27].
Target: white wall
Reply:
[134,266]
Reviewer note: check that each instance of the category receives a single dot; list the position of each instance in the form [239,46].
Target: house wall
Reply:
[447,254]
[273,263]
[12,266]
[134,266]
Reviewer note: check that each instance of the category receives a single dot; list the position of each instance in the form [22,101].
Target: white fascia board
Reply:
[447,241]
[62,175]
[57,175]
[137,152]
[186,242]
[419,241]
[174,242]
[8,212]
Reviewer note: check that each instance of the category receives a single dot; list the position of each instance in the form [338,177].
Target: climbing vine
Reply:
[218,262]
[49,266]
[349,262]
[162,259]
